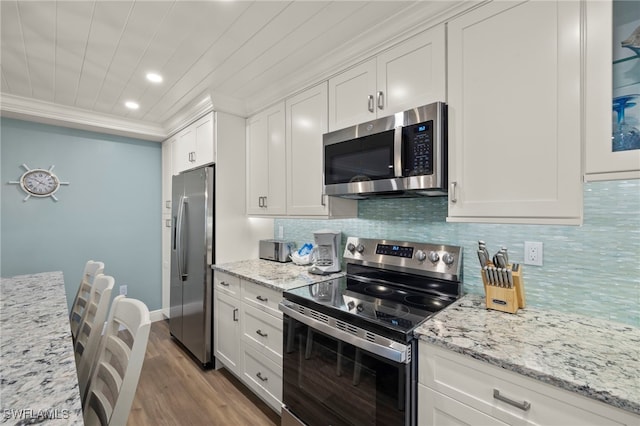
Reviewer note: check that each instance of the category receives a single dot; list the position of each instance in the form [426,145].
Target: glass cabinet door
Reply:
[612,90]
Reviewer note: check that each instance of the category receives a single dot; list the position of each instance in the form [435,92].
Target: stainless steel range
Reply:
[350,356]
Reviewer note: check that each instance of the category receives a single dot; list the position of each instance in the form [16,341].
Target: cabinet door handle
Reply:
[322,202]
[235,314]
[524,405]
[167,223]
[370,103]
[259,376]
[260,202]
[262,299]
[261,334]
[264,204]
[167,204]
[380,100]
[454,199]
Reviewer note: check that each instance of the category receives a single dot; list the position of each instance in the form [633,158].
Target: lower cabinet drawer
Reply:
[263,332]
[519,400]
[261,297]
[264,377]
[437,409]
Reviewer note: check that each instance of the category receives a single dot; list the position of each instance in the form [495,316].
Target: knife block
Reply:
[502,298]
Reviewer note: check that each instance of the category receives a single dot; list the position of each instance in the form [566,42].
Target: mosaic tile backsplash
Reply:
[593,269]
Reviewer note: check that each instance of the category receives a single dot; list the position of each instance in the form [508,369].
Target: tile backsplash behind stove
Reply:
[593,269]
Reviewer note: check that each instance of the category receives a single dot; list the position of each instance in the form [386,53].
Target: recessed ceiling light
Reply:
[154,77]
[131,105]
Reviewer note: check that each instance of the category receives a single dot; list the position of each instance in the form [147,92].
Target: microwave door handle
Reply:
[397,148]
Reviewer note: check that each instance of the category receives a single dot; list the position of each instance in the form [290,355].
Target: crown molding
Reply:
[65,116]
[189,113]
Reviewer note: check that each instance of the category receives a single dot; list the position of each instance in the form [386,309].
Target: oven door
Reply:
[330,381]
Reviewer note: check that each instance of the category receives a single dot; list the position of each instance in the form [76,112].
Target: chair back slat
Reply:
[114,381]
[91,269]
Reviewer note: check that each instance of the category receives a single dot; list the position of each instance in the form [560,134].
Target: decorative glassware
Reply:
[625,136]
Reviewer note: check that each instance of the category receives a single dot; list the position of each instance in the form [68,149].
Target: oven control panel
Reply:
[437,260]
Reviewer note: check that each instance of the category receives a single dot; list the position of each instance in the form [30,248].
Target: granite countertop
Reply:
[38,369]
[275,275]
[595,358]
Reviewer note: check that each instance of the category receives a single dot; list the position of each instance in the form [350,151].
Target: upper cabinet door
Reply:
[610,74]
[352,96]
[410,74]
[266,178]
[413,73]
[514,86]
[306,123]
[204,141]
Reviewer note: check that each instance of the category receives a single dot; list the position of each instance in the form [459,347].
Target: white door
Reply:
[227,331]
[306,123]
[412,74]
[514,113]
[352,96]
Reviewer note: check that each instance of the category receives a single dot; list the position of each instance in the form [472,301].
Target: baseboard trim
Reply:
[158,315]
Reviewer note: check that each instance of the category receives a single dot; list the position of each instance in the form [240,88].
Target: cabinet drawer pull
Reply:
[223,283]
[262,299]
[259,376]
[235,314]
[380,100]
[370,103]
[453,192]
[524,405]
[260,333]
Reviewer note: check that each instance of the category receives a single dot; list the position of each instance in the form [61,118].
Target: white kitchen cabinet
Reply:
[457,389]
[306,122]
[600,161]
[194,146]
[514,106]
[407,75]
[266,162]
[227,326]
[261,332]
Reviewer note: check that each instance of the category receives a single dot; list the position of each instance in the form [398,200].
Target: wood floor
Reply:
[174,391]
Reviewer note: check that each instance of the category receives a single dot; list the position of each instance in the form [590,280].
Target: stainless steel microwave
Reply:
[403,155]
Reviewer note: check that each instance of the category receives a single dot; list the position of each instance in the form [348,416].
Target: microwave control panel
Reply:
[417,149]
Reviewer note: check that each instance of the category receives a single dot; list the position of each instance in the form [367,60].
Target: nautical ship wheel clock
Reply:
[39,183]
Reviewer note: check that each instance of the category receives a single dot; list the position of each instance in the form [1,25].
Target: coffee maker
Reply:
[326,252]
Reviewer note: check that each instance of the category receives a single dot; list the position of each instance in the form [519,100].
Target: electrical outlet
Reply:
[533,253]
[123,290]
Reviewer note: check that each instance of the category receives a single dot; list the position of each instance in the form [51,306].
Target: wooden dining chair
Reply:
[91,269]
[114,379]
[90,329]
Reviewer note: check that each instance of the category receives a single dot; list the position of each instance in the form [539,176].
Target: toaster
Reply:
[276,250]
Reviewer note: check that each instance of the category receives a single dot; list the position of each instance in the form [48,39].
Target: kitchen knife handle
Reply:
[524,405]
[453,192]
[370,106]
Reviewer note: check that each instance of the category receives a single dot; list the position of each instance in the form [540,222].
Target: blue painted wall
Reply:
[593,269]
[109,212]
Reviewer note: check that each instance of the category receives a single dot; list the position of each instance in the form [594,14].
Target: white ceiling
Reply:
[81,60]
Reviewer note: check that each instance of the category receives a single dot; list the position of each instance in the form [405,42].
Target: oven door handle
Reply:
[391,350]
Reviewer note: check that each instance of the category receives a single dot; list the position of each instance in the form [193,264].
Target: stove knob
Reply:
[351,247]
[350,305]
[359,307]
[448,258]
[360,248]
[420,255]
[433,256]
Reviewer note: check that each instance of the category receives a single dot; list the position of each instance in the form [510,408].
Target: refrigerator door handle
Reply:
[180,255]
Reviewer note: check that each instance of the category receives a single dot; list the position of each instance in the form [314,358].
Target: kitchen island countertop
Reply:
[275,275]
[595,358]
[38,368]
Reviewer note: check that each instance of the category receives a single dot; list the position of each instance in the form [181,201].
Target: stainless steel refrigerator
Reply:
[192,254]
